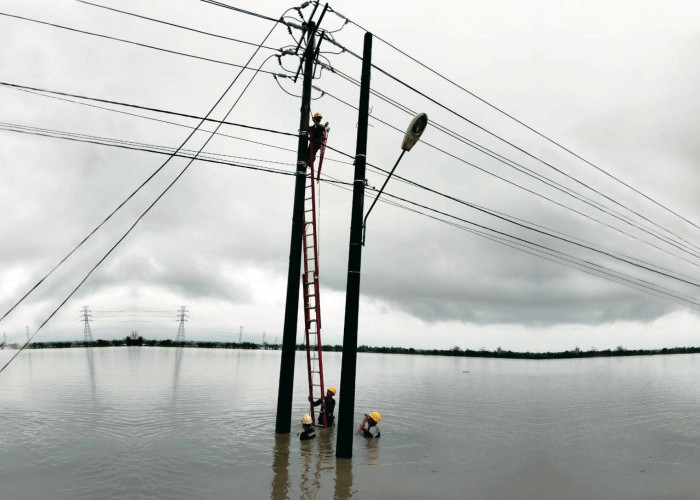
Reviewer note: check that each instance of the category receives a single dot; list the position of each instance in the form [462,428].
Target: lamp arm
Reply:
[364,222]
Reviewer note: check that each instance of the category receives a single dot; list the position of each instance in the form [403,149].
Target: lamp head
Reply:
[414,131]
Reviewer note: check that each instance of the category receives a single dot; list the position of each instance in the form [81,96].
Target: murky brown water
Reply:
[195,423]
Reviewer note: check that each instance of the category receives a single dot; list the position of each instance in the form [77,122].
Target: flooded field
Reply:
[143,422]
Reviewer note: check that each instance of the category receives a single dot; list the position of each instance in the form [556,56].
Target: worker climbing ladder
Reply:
[310,285]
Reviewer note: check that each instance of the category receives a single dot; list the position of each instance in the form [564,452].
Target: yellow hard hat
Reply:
[375,416]
[318,115]
[306,419]
[333,390]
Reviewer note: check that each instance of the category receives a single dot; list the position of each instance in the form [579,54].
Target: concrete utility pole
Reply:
[348,367]
[28,336]
[291,311]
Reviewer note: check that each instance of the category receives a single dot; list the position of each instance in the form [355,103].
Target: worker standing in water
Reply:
[309,432]
[316,133]
[368,427]
[327,407]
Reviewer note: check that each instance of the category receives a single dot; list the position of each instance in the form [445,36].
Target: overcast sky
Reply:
[615,83]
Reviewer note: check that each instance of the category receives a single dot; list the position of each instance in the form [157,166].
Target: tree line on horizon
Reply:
[454,351]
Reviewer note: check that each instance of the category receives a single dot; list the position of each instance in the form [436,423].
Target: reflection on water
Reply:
[91,373]
[280,467]
[309,467]
[176,374]
[173,423]
[343,479]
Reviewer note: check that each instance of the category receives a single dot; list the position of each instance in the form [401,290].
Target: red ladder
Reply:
[312,298]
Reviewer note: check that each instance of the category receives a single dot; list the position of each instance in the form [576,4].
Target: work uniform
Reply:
[316,132]
[329,409]
[371,432]
[309,433]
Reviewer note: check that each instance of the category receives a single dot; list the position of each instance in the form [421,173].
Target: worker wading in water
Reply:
[316,133]
[327,407]
[309,432]
[368,427]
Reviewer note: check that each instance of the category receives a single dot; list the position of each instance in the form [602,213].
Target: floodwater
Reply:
[168,423]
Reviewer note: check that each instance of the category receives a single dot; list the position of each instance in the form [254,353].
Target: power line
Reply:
[274,146]
[56,134]
[146,108]
[504,216]
[147,209]
[603,171]
[541,250]
[183,153]
[523,224]
[133,14]
[516,185]
[690,301]
[130,42]
[529,172]
[273,131]
[248,12]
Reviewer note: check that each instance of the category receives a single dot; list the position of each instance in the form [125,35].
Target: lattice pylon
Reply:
[181,328]
[87,332]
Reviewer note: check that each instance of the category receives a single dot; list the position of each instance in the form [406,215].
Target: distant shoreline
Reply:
[455,351]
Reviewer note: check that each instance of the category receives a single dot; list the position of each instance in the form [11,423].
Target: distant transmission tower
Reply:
[240,336]
[87,333]
[28,336]
[181,329]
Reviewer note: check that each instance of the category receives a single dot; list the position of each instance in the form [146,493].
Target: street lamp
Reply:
[413,132]
[352,296]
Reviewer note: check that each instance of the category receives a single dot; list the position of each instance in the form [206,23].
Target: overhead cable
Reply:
[647,284]
[519,186]
[552,141]
[133,14]
[147,108]
[153,47]
[143,214]
[205,158]
[551,183]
